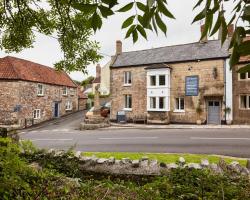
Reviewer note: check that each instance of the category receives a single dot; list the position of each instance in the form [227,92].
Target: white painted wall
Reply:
[229,89]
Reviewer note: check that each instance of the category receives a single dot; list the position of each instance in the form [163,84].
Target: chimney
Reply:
[98,71]
[204,39]
[118,47]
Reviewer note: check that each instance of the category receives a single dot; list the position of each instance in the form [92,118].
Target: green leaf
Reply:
[244,69]
[160,23]
[126,8]
[217,25]
[223,29]
[130,30]
[105,11]
[110,3]
[163,9]
[140,19]
[150,3]
[142,31]
[135,35]
[234,59]
[244,48]
[200,16]
[198,4]
[86,8]
[154,25]
[128,21]
[141,6]
[96,22]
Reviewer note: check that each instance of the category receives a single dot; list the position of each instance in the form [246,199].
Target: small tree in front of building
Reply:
[199,112]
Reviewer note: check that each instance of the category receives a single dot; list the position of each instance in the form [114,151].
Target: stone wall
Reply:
[209,88]
[82,104]
[25,94]
[240,87]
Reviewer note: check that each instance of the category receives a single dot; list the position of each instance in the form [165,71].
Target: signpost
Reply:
[192,85]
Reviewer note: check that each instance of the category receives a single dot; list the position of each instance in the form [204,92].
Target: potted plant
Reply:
[199,111]
[227,111]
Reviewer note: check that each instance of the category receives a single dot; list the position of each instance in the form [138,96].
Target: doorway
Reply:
[56,109]
[214,111]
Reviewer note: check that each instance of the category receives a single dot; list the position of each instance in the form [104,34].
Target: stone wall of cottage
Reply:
[25,94]
[240,87]
[211,86]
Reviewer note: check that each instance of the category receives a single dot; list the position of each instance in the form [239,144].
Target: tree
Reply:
[74,21]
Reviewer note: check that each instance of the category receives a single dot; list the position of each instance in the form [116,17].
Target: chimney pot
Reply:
[118,47]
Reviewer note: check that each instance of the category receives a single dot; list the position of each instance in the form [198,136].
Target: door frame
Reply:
[220,102]
[58,109]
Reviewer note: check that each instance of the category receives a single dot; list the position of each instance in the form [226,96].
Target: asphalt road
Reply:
[63,134]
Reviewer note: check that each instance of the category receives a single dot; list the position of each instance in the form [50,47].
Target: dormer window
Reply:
[40,90]
[65,91]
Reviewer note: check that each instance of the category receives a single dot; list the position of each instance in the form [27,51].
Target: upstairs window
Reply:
[128,101]
[245,101]
[244,76]
[68,105]
[127,78]
[152,80]
[65,91]
[72,92]
[179,104]
[37,114]
[40,90]
[162,80]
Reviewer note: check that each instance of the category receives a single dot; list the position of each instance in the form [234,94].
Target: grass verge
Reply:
[166,157]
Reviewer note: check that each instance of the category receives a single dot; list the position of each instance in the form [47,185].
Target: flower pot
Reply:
[229,122]
[198,122]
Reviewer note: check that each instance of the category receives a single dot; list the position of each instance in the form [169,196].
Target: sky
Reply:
[47,51]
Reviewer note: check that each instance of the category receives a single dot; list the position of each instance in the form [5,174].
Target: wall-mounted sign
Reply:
[192,85]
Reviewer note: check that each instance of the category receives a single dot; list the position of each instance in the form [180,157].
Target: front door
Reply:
[56,109]
[213,112]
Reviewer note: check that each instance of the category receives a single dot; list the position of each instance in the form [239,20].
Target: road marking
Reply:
[127,138]
[207,138]
[47,139]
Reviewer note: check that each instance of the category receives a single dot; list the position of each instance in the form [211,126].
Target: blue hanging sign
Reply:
[192,85]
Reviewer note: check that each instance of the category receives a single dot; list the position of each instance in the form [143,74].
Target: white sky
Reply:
[46,50]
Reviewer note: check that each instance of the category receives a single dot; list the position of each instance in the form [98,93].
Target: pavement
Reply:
[64,133]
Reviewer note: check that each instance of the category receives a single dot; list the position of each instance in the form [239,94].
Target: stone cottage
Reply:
[31,93]
[186,83]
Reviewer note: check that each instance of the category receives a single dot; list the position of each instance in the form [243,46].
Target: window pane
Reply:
[152,80]
[177,105]
[128,101]
[161,102]
[248,101]
[162,80]
[216,103]
[152,102]
[129,78]
[182,103]
[243,101]
[243,76]
[210,103]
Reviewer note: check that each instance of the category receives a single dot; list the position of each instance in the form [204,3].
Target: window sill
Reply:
[127,109]
[65,95]
[68,109]
[40,95]
[179,111]
[127,85]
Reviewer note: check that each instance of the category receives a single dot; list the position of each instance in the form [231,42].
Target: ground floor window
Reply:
[68,105]
[37,114]
[157,103]
[245,101]
[128,101]
[179,104]
[162,102]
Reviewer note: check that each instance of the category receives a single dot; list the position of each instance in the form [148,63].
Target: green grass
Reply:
[165,157]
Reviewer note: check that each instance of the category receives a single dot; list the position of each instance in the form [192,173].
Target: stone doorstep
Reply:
[176,126]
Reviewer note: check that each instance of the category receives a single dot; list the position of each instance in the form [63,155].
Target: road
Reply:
[64,134]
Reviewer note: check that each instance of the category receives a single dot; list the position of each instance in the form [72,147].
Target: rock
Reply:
[181,161]
[117,162]
[111,160]
[101,160]
[51,151]
[153,163]
[204,163]
[235,166]
[126,160]
[162,164]
[245,171]
[78,154]
[172,166]
[248,164]
[215,168]
[59,153]
[222,164]
[135,163]
[194,166]
[144,163]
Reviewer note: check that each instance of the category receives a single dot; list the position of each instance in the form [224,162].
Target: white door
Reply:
[213,112]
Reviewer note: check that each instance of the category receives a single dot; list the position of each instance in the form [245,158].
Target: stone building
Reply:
[173,84]
[31,93]
[82,98]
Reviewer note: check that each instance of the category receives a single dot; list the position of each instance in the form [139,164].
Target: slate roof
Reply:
[171,54]
[13,68]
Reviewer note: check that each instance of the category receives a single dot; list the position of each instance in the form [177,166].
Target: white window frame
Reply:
[127,75]
[72,91]
[247,102]
[151,79]
[247,77]
[179,109]
[65,91]
[68,105]
[37,114]
[126,107]
[40,91]
[150,103]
